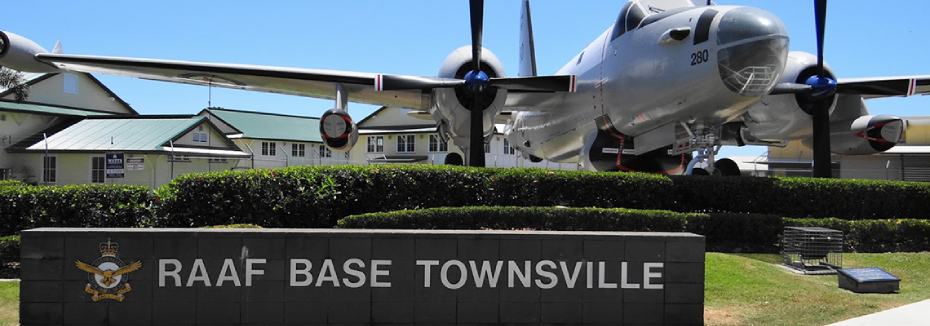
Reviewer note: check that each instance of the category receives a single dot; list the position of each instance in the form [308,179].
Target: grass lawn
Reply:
[749,289]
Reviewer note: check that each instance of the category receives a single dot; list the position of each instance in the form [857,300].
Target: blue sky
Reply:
[864,39]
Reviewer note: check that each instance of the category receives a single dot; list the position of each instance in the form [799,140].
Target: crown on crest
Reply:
[109,248]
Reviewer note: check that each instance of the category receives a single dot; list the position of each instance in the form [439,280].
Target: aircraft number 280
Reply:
[699,57]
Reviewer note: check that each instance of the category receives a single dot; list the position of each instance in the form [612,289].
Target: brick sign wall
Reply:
[335,277]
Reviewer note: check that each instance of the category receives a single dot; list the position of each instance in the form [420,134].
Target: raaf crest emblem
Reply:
[108,276]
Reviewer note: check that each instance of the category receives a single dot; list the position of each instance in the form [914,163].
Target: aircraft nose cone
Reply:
[746,23]
[754,52]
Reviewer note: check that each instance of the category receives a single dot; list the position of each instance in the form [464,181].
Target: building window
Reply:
[487,148]
[405,143]
[217,160]
[268,148]
[325,152]
[508,150]
[4,174]
[200,137]
[70,85]
[49,169]
[179,158]
[98,169]
[375,144]
[298,150]
[436,144]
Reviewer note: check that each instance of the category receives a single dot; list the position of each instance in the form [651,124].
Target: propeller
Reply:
[476,81]
[823,88]
[477,85]
[819,89]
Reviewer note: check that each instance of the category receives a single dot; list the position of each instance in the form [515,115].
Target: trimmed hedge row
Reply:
[876,235]
[24,206]
[318,196]
[723,231]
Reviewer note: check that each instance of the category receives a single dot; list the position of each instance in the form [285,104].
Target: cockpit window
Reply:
[657,17]
[635,16]
[620,25]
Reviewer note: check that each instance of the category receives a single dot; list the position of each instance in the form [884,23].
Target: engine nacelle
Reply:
[864,135]
[452,105]
[19,53]
[781,117]
[338,131]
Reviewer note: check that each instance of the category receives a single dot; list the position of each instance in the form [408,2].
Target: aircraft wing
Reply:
[885,86]
[292,81]
[532,101]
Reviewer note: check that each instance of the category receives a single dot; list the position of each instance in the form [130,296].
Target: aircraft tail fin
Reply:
[527,48]
[58,49]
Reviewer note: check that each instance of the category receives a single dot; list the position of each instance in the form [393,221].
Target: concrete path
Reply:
[913,314]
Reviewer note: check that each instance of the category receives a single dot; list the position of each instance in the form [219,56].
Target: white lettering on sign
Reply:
[453,274]
[228,273]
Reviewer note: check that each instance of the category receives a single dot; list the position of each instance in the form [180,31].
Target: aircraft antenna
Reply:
[209,92]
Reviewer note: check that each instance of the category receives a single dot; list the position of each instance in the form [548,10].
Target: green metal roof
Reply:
[133,134]
[46,109]
[259,125]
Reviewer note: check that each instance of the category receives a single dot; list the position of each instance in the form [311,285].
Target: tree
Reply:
[13,80]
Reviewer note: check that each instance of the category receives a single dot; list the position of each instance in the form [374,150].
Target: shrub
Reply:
[520,218]
[9,249]
[24,207]
[875,235]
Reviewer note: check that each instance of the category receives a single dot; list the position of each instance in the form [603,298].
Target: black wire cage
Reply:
[813,250]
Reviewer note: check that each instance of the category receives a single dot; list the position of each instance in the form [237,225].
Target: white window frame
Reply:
[437,144]
[269,148]
[375,144]
[408,145]
[179,158]
[201,137]
[102,171]
[298,150]
[46,170]
[325,151]
[508,150]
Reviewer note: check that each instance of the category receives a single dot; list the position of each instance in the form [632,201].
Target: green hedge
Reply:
[520,218]
[876,235]
[25,207]
[318,196]
[723,231]
[9,249]
[804,197]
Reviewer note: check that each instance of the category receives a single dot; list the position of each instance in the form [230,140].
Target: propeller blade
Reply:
[401,82]
[823,167]
[476,135]
[564,83]
[791,88]
[820,10]
[477,22]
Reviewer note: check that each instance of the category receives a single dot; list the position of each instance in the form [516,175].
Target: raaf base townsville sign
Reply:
[341,277]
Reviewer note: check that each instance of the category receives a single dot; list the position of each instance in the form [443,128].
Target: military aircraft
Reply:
[667,78]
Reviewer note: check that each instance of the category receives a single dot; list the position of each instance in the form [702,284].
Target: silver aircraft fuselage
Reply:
[645,78]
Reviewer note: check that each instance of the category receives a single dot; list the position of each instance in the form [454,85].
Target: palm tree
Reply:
[13,80]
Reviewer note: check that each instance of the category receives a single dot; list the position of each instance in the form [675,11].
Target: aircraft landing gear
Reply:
[707,142]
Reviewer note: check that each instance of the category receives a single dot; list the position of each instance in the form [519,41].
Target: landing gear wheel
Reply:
[726,167]
[454,159]
[699,171]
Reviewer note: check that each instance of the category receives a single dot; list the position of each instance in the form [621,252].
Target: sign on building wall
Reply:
[115,165]
[135,163]
[193,276]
